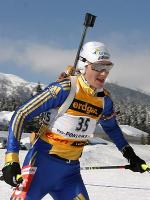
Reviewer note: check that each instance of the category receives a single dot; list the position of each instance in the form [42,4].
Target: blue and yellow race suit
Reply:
[52,162]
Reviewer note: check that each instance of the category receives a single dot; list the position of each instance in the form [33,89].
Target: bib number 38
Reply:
[83,124]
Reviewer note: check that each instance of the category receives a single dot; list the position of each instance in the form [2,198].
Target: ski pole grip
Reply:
[89,20]
[19,178]
[145,167]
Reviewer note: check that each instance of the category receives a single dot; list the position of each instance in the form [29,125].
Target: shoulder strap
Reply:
[70,97]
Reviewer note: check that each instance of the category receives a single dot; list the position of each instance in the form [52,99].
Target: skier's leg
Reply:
[31,188]
[73,190]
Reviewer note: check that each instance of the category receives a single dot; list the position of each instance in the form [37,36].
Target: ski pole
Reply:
[105,167]
[88,22]
[144,166]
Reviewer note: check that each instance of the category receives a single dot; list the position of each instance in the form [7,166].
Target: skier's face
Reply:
[96,79]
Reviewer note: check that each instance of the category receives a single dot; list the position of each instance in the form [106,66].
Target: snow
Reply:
[128,130]
[24,135]
[25,140]
[115,184]
[15,80]
[12,82]
[5,116]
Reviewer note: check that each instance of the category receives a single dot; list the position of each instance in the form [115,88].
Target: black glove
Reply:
[133,159]
[12,174]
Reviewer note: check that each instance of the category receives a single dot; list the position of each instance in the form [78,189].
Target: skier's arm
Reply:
[110,125]
[51,97]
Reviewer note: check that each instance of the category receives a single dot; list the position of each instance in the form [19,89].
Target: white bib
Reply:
[75,127]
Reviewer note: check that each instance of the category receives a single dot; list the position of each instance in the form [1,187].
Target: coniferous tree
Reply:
[38,88]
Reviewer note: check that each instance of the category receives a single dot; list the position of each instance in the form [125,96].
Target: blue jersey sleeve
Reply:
[51,97]
[110,125]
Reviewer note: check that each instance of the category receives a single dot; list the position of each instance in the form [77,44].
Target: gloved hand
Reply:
[12,174]
[136,163]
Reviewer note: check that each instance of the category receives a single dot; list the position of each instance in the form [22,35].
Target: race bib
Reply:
[75,127]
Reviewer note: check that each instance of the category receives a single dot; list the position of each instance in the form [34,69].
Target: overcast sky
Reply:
[39,38]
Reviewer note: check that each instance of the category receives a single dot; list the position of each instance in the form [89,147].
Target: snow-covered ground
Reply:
[109,184]
[5,116]
[129,130]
